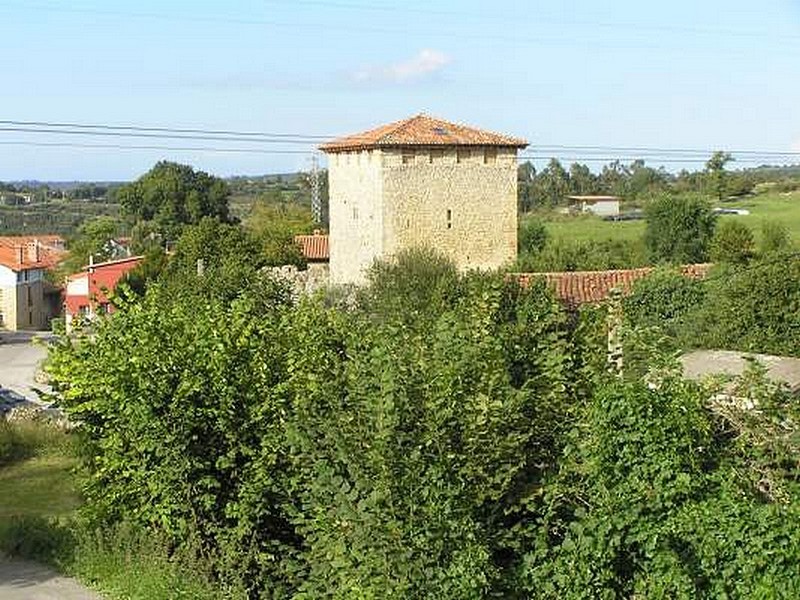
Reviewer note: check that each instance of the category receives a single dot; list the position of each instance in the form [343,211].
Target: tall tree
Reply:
[171,195]
[715,171]
[679,229]
[581,179]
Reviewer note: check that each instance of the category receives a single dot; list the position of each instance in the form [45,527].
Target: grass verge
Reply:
[39,521]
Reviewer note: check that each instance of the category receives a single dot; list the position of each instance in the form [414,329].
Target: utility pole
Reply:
[316,201]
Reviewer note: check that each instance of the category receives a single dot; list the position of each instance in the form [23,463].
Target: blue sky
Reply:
[683,74]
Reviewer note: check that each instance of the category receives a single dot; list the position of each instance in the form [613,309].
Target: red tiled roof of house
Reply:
[20,253]
[314,247]
[590,287]
[421,130]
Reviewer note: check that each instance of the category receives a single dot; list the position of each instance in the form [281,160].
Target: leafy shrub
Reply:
[664,299]
[594,255]
[533,236]
[774,237]
[679,229]
[733,242]
[753,309]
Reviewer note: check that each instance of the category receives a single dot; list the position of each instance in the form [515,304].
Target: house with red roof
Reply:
[87,293]
[27,299]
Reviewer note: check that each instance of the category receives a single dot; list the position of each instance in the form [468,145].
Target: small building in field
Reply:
[28,301]
[87,292]
[421,182]
[603,206]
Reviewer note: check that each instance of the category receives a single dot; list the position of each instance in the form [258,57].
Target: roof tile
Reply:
[421,130]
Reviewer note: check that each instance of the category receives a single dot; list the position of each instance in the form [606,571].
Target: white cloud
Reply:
[423,64]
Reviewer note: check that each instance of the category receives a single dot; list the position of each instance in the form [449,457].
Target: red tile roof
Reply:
[421,130]
[590,287]
[20,253]
[314,247]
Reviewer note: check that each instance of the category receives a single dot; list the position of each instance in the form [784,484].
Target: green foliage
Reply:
[92,240]
[774,237]
[733,242]
[275,226]
[655,498]
[663,299]
[533,236]
[149,270]
[753,308]
[214,259]
[171,195]
[679,229]
[584,255]
[717,177]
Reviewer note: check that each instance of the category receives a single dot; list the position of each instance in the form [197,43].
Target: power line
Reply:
[138,128]
[136,134]
[149,147]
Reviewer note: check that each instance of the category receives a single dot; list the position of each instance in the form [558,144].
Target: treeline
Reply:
[550,186]
[435,435]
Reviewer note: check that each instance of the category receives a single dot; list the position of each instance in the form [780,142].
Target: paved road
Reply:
[21,580]
[19,360]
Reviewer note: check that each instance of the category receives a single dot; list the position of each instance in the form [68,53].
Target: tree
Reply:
[679,229]
[715,172]
[552,184]
[526,176]
[733,242]
[171,195]
[581,180]
[275,227]
[92,240]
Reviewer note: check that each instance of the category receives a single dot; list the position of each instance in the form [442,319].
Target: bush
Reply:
[533,236]
[679,229]
[382,451]
[664,299]
[733,242]
[774,237]
[752,309]
[562,255]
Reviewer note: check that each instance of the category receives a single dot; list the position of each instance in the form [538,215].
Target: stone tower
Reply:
[422,182]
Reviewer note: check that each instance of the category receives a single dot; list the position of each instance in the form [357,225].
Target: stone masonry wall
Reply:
[461,202]
[356,219]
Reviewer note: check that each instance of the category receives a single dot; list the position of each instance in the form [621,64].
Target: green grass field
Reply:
[784,208]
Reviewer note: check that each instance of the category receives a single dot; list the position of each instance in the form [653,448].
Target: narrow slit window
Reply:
[408,157]
[462,155]
[449,218]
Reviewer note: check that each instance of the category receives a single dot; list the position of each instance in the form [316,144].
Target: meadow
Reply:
[774,206]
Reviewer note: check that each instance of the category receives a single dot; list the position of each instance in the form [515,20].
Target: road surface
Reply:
[22,580]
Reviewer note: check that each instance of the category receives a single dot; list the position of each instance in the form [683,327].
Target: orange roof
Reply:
[421,130]
[313,247]
[20,253]
[590,287]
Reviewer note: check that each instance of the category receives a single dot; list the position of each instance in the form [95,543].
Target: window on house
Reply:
[436,156]
[355,213]
[462,154]
[30,298]
[489,156]
[449,218]
[408,157]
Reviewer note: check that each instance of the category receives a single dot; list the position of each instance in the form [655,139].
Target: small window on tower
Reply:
[408,157]
[490,156]
[436,156]
[449,218]
[355,213]
[462,154]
